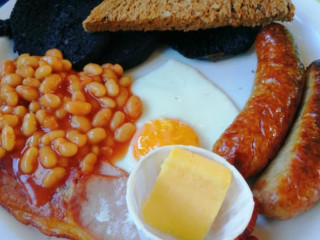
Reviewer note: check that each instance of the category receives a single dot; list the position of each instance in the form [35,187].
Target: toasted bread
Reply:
[113,15]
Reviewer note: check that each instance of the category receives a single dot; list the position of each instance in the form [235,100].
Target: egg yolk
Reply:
[162,132]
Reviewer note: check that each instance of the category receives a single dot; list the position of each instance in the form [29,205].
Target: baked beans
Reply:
[55,121]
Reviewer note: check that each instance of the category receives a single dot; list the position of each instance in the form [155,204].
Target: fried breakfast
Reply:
[256,134]
[74,125]
[291,184]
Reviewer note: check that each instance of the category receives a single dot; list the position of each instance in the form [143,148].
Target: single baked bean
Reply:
[101,118]
[12,98]
[108,74]
[125,81]
[77,138]
[34,140]
[50,83]
[41,115]
[64,147]
[34,106]
[2,152]
[43,71]
[50,100]
[54,52]
[53,177]
[92,69]
[78,96]
[124,132]
[7,67]
[95,149]
[48,158]
[25,71]
[47,138]
[107,102]
[32,82]
[60,113]
[8,138]
[29,124]
[11,79]
[22,59]
[8,119]
[121,99]
[54,62]
[20,111]
[81,123]
[118,69]
[74,83]
[78,108]
[133,107]
[96,135]
[96,89]
[27,93]
[28,161]
[5,89]
[67,65]
[112,87]
[88,163]
[116,120]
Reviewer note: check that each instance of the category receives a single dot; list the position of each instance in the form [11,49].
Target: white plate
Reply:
[235,77]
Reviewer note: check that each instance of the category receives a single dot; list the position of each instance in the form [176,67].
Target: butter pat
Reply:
[187,195]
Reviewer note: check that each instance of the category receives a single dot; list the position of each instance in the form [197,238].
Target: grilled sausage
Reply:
[256,134]
[291,184]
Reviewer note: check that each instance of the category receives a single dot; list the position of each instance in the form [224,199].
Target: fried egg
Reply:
[180,106]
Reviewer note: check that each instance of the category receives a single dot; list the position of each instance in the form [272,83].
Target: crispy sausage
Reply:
[291,183]
[256,134]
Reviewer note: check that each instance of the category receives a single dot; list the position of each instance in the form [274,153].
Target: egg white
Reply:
[177,91]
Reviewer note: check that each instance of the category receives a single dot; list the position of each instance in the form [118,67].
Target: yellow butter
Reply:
[187,195]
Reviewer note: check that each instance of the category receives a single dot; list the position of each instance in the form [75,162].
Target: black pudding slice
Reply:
[39,25]
[212,44]
[130,48]
[5,28]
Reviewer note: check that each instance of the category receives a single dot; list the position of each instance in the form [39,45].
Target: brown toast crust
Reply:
[113,15]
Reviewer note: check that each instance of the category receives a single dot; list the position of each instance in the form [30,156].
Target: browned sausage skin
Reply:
[291,184]
[258,131]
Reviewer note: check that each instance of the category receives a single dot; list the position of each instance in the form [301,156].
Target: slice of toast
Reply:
[113,15]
